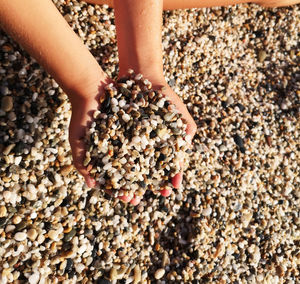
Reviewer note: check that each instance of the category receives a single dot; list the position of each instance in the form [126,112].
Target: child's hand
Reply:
[81,118]
[190,131]
[83,106]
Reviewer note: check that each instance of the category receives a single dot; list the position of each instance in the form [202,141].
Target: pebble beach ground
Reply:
[235,218]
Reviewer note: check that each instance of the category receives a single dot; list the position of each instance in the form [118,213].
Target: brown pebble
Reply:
[279,271]
[7,103]
[3,211]
[262,56]
[269,140]
[66,170]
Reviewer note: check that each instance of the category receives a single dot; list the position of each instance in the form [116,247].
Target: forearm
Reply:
[42,31]
[139,30]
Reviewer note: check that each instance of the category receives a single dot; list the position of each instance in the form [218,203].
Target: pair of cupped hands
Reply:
[82,116]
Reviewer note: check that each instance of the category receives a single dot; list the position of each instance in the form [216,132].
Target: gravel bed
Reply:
[236,217]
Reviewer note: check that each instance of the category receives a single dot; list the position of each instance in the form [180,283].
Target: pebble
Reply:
[79,267]
[20,236]
[137,275]
[7,103]
[159,273]
[32,234]
[3,211]
[70,235]
[66,170]
[239,141]
[207,211]
[262,55]
[34,278]
[53,234]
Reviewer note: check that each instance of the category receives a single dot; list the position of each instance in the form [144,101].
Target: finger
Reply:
[78,153]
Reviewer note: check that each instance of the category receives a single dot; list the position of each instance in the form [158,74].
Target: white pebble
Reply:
[207,211]
[159,273]
[79,267]
[122,103]
[20,236]
[34,278]
[126,117]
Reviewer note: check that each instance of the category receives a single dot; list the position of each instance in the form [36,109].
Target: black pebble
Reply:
[239,141]
[259,33]
[139,96]
[105,106]
[161,157]
[142,184]
[224,104]
[69,265]
[103,281]
[153,134]
[122,80]
[240,106]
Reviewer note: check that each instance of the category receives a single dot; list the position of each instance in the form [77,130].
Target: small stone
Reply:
[34,278]
[53,235]
[239,141]
[269,140]
[8,149]
[280,271]
[261,55]
[165,259]
[66,170]
[32,234]
[70,235]
[79,267]
[207,211]
[3,211]
[284,106]
[16,219]
[20,236]
[137,275]
[68,18]
[230,101]
[3,221]
[22,225]
[246,218]
[113,273]
[7,103]
[159,273]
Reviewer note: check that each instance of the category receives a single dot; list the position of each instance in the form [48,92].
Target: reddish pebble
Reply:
[176,180]
[135,200]
[166,192]
[125,198]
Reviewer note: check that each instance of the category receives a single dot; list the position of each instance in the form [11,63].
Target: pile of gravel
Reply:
[136,141]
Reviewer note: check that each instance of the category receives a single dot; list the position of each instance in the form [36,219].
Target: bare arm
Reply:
[39,27]
[139,25]
[139,34]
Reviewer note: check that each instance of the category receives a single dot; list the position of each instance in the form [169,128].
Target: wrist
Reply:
[88,88]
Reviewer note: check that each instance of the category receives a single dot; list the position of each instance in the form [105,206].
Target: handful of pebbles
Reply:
[137,139]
